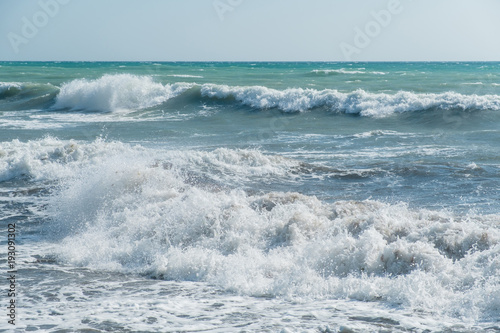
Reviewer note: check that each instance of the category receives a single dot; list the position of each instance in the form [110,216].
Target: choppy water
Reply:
[230,197]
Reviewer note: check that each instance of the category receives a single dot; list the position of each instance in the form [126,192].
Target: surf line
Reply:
[12,272]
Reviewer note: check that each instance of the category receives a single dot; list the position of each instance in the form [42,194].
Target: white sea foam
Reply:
[31,124]
[175,215]
[116,92]
[51,159]
[473,83]
[357,102]
[186,76]
[165,214]
[376,133]
[337,71]
[345,71]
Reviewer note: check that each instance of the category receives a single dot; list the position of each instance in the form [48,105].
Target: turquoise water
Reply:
[253,196]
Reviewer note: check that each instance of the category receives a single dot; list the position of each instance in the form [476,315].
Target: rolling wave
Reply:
[24,91]
[357,102]
[119,92]
[8,89]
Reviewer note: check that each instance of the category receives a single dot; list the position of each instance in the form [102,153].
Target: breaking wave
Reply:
[185,216]
[116,92]
[149,216]
[119,92]
[357,102]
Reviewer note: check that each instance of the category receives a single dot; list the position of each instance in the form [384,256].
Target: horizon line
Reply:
[256,61]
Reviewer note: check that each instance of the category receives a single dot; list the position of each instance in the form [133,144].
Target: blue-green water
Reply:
[253,196]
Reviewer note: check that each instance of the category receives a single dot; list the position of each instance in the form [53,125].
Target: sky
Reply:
[249,30]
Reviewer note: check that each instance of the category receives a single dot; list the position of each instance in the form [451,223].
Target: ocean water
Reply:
[251,197]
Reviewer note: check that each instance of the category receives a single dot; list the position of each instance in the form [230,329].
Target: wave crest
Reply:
[131,92]
[116,92]
[8,89]
[26,94]
[357,102]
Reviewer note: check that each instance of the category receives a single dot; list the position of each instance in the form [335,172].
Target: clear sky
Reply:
[250,30]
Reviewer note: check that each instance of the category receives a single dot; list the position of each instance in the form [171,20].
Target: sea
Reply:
[250,197]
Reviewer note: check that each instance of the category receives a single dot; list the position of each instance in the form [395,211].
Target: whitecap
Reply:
[357,102]
[186,76]
[116,92]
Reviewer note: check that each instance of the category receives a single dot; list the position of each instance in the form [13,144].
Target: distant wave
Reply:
[345,71]
[186,76]
[356,102]
[473,83]
[116,92]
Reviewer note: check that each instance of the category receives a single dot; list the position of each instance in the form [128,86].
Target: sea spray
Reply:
[151,218]
[116,92]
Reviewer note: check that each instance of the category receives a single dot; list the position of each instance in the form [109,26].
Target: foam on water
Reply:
[186,76]
[116,92]
[50,159]
[166,215]
[357,102]
[345,71]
